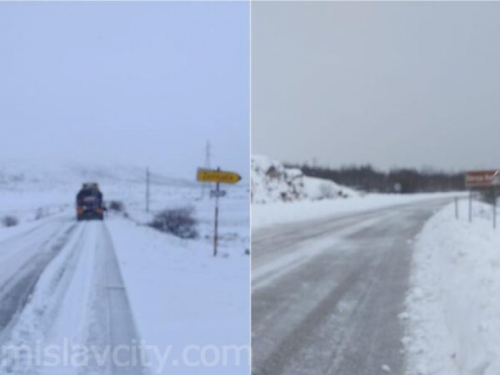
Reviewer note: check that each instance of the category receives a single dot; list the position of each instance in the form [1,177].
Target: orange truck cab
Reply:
[89,203]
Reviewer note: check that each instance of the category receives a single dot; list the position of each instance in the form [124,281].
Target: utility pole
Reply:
[208,154]
[147,189]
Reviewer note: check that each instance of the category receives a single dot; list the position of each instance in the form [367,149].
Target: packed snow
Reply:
[453,313]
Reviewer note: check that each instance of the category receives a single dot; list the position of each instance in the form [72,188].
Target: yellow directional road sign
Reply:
[211,175]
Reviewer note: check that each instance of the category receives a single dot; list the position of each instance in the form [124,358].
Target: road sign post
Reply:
[219,177]
[470,206]
[483,180]
[216,220]
[494,207]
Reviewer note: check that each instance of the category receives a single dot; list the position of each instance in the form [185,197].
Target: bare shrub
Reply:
[9,221]
[116,206]
[178,221]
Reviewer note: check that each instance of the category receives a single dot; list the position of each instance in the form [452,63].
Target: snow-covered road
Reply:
[61,287]
[23,258]
[327,293]
[120,298]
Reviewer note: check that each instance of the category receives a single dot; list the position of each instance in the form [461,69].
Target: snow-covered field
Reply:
[453,313]
[196,299]
[192,307]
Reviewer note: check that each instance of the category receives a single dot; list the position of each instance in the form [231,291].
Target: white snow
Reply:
[180,295]
[386,368]
[290,212]
[272,182]
[32,189]
[282,196]
[453,309]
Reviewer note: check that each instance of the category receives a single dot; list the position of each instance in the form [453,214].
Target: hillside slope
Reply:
[19,174]
[272,182]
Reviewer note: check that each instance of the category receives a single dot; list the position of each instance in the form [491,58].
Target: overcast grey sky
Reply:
[129,82]
[386,83]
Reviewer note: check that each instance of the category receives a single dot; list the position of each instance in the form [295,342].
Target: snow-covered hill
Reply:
[19,174]
[272,182]
[28,187]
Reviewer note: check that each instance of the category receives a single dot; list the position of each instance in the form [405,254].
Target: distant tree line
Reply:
[404,180]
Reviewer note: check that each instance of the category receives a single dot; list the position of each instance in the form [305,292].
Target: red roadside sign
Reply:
[482,179]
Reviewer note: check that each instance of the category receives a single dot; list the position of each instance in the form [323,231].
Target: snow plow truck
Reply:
[89,204]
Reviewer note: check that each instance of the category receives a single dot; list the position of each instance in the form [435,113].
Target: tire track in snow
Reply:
[112,323]
[80,298]
[22,261]
[35,319]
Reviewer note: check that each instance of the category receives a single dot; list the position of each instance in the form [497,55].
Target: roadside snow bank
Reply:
[185,299]
[286,212]
[453,309]
[272,182]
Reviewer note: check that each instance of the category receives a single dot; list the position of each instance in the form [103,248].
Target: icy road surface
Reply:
[60,282]
[327,293]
